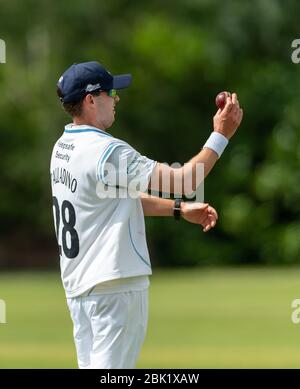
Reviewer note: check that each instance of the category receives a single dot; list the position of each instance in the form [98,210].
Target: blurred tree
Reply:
[181,54]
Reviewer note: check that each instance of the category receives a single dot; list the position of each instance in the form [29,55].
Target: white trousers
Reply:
[109,329]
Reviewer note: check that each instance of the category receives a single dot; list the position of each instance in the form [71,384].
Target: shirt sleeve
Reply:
[124,167]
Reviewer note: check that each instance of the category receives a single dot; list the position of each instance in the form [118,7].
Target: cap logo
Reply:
[91,87]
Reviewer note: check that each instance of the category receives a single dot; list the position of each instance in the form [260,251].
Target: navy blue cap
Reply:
[86,77]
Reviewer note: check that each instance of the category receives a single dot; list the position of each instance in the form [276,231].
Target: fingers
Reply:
[235,101]
[209,223]
[235,105]
[209,226]
[208,215]
[232,105]
[203,214]
[228,106]
[236,111]
[213,212]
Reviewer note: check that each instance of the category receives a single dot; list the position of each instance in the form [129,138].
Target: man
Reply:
[103,252]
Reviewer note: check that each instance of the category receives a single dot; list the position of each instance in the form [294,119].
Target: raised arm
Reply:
[226,122]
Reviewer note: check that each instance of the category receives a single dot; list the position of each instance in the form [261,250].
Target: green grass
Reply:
[198,318]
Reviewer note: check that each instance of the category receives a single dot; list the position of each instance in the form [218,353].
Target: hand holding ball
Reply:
[229,115]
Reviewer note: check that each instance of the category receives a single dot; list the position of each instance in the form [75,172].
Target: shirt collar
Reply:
[73,128]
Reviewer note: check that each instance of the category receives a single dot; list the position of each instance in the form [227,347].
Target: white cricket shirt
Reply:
[98,215]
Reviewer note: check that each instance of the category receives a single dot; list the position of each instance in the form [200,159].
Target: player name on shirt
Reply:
[63,176]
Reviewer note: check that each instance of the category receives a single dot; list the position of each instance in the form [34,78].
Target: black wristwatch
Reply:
[177,209]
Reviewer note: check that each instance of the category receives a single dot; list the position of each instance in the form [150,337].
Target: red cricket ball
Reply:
[221,99]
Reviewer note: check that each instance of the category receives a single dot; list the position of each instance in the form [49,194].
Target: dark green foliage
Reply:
[181,54]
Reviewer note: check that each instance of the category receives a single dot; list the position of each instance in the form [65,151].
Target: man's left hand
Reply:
[199,213]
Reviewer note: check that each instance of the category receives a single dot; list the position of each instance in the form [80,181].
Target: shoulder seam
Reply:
[104,156]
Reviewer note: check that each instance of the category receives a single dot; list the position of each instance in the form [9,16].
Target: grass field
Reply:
[198,318]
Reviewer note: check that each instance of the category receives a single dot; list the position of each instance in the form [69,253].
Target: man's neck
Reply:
[78,121]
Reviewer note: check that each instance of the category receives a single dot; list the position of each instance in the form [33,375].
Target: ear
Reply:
[89,99]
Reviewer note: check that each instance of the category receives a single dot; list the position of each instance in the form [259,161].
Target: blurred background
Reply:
[221,299]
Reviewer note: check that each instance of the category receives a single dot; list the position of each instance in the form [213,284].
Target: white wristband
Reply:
[216,142]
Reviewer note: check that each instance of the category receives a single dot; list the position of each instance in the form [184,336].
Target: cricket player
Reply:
[100,197]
